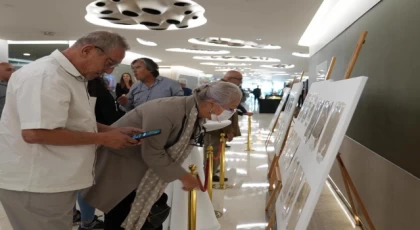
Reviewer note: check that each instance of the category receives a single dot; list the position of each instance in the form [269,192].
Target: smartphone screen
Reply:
[147,134]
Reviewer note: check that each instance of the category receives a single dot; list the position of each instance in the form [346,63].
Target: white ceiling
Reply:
[277,22]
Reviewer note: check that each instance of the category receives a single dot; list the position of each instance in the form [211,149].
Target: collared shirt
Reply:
[163,87]
[46,94]
[3,88]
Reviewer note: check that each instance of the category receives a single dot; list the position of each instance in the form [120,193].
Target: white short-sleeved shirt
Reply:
[49,93]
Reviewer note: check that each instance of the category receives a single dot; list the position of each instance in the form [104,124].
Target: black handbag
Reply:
[158,214]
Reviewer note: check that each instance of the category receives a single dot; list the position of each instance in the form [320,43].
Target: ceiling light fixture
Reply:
[26,54]
[237,58]
[297,54]
[130,56]
[145,42]
[279,66]
[146,14]
[231,43]
[197,51]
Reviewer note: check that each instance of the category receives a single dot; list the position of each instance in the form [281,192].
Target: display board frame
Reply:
[305,188]
[276,116]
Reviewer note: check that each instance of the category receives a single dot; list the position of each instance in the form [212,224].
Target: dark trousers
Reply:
[115,217]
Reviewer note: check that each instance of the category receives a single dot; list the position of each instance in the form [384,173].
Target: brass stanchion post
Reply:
[210,170]
[222,160]
[192,206]
[248,146]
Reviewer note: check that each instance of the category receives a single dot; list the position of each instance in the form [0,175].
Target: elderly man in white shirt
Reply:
[49,134]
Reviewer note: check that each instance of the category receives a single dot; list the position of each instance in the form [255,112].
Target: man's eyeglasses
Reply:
[109,63]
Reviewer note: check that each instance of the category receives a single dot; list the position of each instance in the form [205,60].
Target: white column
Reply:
[4,51]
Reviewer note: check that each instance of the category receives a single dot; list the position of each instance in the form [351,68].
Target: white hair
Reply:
[221,91]
[104,40]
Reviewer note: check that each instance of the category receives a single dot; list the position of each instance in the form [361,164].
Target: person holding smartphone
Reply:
[129,181]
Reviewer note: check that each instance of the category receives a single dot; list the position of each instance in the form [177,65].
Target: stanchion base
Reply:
[218,214]
[222,187]
[252,150]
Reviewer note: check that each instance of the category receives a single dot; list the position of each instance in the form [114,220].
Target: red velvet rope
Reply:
[220,152]
[203,188]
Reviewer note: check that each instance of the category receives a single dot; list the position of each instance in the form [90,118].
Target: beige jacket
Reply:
[118,172]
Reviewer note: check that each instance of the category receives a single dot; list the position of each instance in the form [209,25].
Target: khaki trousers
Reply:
[39,211]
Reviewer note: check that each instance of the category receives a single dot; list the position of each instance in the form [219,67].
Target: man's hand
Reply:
[116,139]
[189,182]
[130,131]
[229,137]
[249,113]
[123,100]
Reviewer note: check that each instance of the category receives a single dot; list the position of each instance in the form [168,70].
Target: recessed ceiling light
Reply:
[26,54]
[259,39]
[146,15]
[231,43]
[297,54]
[278,66]
[197,51]
[145,42]
[237,58]
[224,64]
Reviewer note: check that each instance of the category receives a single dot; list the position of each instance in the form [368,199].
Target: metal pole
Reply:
[210,170]
[222,161]
[248,147]
[192,207]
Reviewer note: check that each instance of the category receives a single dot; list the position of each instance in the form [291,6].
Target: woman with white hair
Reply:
[131,180]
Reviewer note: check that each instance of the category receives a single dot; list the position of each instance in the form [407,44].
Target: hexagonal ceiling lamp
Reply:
[237,58]
[278,66]
[232,43]
[146,14]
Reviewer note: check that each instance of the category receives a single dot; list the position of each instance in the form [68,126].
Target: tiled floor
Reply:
[243,205]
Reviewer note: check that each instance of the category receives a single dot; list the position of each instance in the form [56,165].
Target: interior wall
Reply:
[385,124]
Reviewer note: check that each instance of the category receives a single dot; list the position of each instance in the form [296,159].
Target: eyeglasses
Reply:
[109,62]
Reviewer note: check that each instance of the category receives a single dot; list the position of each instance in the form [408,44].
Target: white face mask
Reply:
[225,115]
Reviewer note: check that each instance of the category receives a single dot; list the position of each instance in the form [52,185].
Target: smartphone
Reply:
[147,134]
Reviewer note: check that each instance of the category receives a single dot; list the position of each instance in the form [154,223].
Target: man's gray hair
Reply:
[104,40]
[221,91]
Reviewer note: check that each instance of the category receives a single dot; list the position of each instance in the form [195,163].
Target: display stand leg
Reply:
[355,55]
[351,189]
[272,220]
[273,195]
[330,69]
[273,165]
[267,142]
[276,158]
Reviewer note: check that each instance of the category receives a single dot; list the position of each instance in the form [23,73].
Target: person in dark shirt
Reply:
[123,87]
[257,94]
[183,83]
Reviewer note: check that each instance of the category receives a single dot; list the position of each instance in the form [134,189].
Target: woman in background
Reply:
[122,88]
